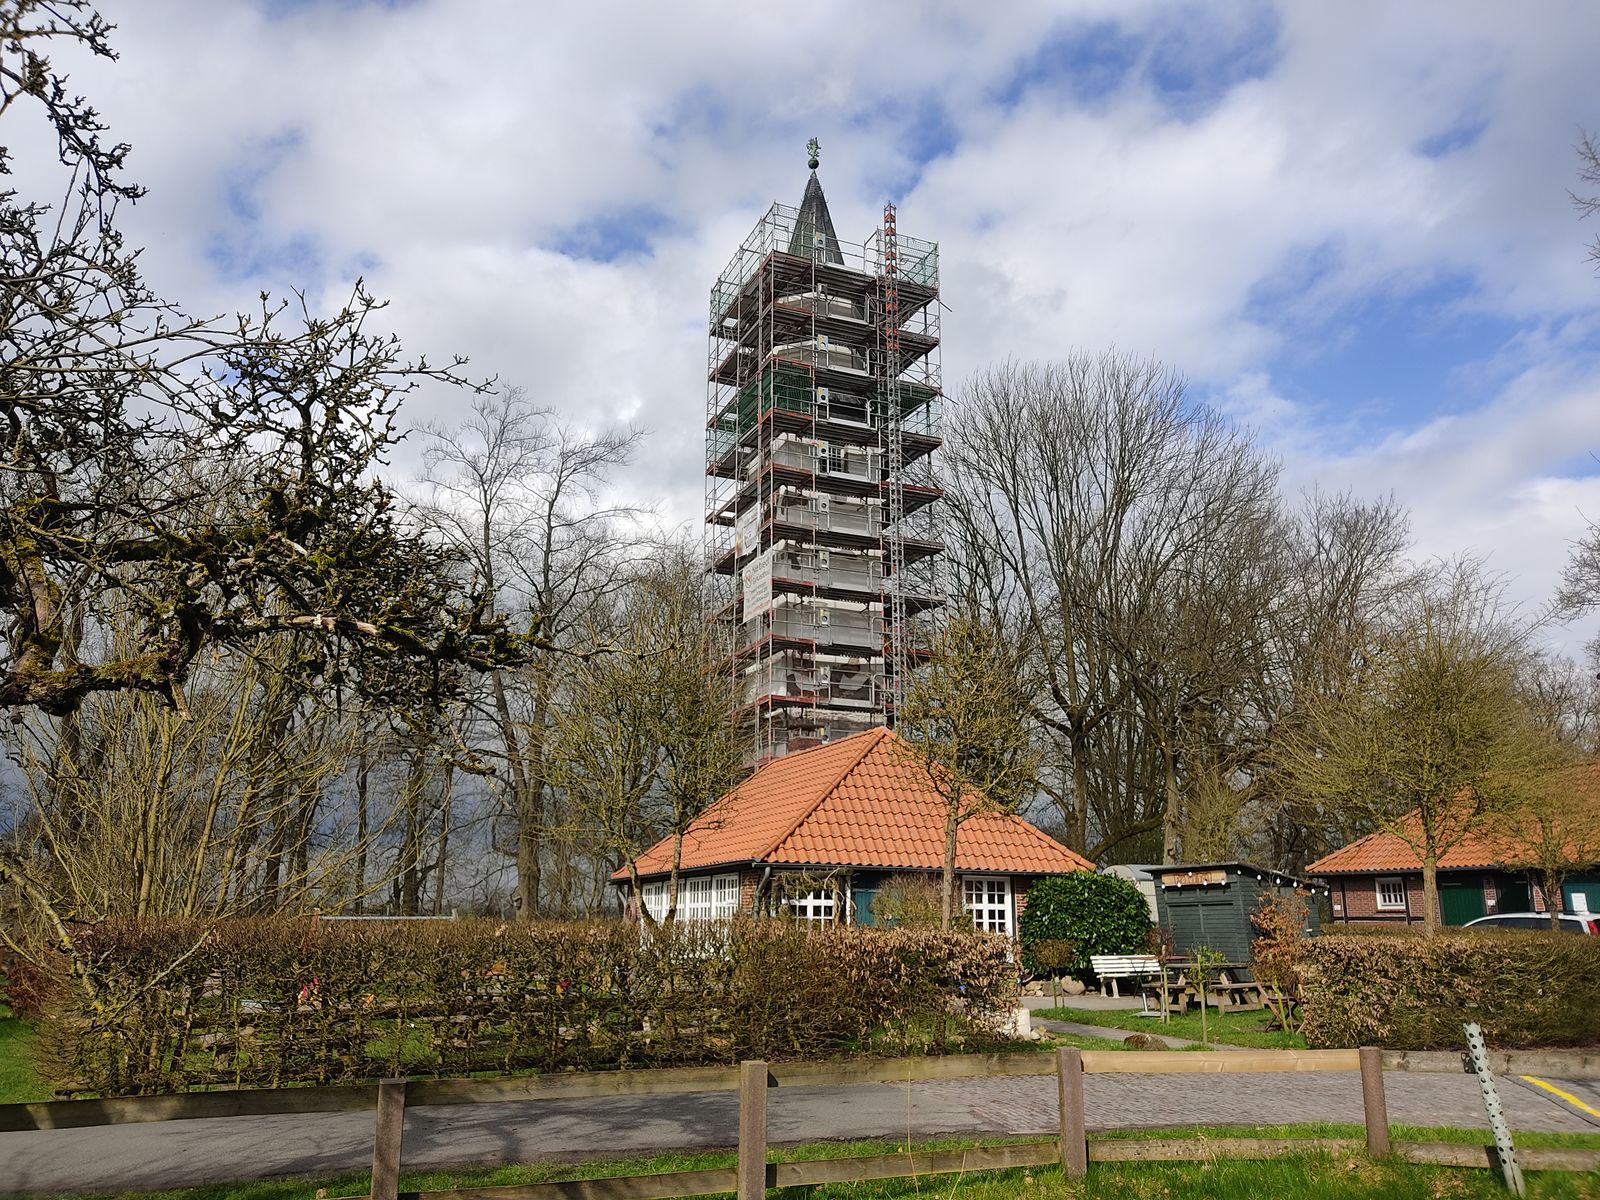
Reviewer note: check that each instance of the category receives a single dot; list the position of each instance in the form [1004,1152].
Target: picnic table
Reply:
[1178,988]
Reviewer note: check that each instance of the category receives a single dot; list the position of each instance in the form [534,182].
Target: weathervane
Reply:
[811,148]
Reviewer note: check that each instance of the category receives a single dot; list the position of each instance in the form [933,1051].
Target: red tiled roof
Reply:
[1388,851]
[860,802]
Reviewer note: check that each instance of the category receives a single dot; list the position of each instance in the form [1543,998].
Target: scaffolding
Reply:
[824,406]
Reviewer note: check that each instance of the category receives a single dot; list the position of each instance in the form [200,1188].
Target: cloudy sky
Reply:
[1348,224]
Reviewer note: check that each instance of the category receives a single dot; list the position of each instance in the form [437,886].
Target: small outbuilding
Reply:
[1209,904]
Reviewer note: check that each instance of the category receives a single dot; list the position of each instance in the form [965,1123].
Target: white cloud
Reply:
[448,149]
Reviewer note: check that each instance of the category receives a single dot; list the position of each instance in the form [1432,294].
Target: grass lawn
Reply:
[18,1083]
[1234,1028]
[1316,1177]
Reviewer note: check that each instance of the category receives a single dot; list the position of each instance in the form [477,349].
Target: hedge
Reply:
[273,1003]
[1526,989]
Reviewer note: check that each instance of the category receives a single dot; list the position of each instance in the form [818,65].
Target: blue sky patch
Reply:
[1198,60]
[1404,356]
[622,233]
[1460,136]
[916,130]
[243,256]
[1085,62]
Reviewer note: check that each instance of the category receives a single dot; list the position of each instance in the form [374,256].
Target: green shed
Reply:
[1209,904]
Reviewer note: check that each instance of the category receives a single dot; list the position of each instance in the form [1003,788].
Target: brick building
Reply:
[814,834]
[1378,879]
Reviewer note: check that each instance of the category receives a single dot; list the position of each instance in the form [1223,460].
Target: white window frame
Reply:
[990,902]
[819,907]
[700,897]
[1396,885]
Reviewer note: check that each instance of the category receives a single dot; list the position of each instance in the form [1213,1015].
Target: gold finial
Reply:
[811,148]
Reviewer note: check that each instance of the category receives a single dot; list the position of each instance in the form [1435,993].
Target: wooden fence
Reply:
[1069,1146]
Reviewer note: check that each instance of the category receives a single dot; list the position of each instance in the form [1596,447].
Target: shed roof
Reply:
[864,801]
[1278,878]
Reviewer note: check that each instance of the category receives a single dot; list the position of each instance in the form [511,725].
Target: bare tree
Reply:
[1554,833]
[210,479]
[1563,699]
[965,722]
[645,743]
[1102,512]
[1431,741]
[1342,573]
[518,492]
[1588,203]
[159,816]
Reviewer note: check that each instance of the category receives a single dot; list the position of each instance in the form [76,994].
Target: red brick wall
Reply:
[1355,899]
[749,881]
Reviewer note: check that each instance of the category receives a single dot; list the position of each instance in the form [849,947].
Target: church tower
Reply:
[823,410]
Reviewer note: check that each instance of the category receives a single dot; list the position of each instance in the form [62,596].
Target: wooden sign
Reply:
[1193,878]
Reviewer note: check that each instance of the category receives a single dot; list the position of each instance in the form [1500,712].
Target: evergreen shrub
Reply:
[1526,989]
[1099,914]
[281,1002]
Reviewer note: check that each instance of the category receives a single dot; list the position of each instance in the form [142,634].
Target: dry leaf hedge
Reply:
[275,1003]
[1527,990]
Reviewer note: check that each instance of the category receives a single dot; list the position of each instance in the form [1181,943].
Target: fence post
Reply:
[1373,1102]
[752,1130]
[1074,1136]
[388,1133]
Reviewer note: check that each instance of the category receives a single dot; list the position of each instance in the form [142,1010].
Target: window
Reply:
[813,906]
[655,899]
[988,899]
[1391,894]
[700,898]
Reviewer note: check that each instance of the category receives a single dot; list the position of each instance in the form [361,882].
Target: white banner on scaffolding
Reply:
[747,530]
[757,580]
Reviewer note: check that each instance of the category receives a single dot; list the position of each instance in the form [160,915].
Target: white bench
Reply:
[1112,967]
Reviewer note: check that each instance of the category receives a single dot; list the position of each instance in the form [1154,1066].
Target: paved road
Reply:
[185,1153]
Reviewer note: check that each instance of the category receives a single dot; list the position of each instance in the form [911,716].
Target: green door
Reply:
[1460,901]
[861,898]
[1515,896]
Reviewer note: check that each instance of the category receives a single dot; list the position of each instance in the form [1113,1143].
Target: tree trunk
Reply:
[1172,818]
[1078,826]
[410,872]
[527,888]
[672,881]
[947,885]
[305,820]
[363,767]
[444,842]
[1430,892]
[272,870]
[1554,901]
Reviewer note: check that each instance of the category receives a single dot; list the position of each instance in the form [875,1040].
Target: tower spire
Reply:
[813,235]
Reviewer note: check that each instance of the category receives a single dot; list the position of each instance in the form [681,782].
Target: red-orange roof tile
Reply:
[1386,850]
[864,801]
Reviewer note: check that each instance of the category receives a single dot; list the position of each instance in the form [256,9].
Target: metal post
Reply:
[1479,1054]
[752,1130]
[1074,1136]
[1373,1102]
[388,1133]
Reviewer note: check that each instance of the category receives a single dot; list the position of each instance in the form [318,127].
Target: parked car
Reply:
[1570,922]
